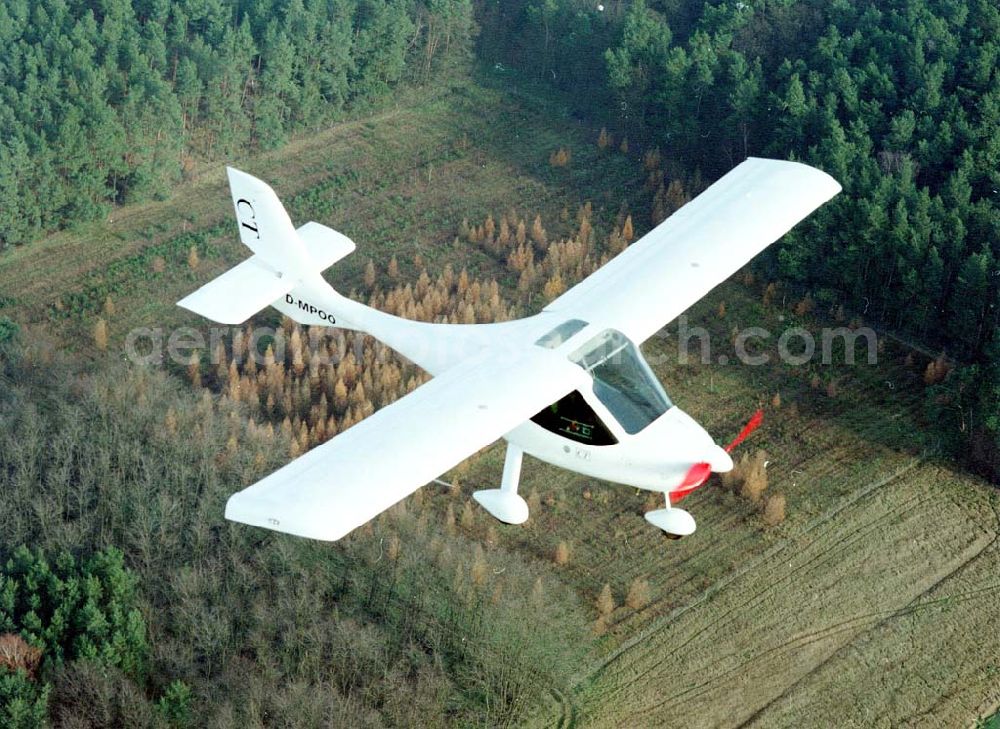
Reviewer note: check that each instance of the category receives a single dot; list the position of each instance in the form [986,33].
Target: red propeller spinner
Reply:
[698,473]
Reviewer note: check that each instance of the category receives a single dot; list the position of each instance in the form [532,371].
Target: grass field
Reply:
[398,182]
[874,603]
[870,605]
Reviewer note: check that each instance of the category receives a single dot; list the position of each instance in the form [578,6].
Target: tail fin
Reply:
[283,256]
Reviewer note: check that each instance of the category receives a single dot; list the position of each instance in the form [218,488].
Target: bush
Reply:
[755,477]
[774,509]
[748,477]
[8,330]
[561,556]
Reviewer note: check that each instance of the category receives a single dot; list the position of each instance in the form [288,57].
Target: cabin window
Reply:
[623,381]
[561,333]
[571,417]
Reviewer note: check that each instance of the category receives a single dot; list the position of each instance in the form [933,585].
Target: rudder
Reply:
[285,260]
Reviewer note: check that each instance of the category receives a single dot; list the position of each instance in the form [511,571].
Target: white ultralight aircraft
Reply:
[567,385]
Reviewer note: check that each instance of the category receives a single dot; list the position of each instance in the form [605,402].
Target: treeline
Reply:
[115,101]
[899,101]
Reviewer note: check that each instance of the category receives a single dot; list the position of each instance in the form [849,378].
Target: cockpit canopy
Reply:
[623,381]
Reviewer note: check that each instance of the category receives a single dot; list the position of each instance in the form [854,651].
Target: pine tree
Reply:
[561,556]
[101,335]
[605,601]
[538,234]
[479,568]
[538,591]
[638,594]
[468,516]
[774,509]
[554,286]
[194,369]
[170,422]
[651,159]
[503,237]
[522,235]
[295,349]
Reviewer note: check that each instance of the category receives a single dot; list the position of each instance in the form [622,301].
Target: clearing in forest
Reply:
[876,600]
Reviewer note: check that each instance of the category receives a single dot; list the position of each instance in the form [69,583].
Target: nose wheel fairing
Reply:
[675,522]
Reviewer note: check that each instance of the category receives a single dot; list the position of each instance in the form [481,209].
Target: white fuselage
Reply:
[656,456]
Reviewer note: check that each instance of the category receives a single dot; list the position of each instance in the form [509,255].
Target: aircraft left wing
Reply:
[698,247]
[345,482]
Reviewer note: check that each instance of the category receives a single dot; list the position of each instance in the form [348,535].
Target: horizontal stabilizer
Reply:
[325,246]
[239,293]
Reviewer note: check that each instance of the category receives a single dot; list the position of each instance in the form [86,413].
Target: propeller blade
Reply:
[751,426]
[695,477]
[699,472]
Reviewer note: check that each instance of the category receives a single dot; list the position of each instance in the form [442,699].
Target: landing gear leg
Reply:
[504,502]
[675,522]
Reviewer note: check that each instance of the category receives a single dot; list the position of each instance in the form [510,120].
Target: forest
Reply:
[900,101]
[113,103]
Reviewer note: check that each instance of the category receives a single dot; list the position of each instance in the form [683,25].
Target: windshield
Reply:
[622,380]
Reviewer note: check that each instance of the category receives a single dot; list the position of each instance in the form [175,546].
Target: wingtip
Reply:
[259,513]
[824,180]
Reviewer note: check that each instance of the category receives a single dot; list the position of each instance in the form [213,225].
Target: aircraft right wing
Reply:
[345,482]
